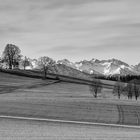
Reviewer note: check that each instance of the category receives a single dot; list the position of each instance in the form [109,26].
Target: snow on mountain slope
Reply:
[137,67]
[67,63]
[90,67]
[95,66]
[105,67]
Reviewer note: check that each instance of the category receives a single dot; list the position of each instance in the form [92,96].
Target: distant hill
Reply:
[69,71]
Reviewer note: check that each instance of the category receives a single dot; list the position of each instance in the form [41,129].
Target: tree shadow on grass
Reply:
[9,89]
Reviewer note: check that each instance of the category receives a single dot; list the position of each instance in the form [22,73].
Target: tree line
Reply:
[12,57]
[130,89]
[122,78]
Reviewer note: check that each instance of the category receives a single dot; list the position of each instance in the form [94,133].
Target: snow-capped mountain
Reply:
[63,67]
[95,66]
[105,67]
[67,63]
[137,67]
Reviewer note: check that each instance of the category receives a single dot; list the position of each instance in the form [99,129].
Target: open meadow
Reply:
[63,100]
[52,99]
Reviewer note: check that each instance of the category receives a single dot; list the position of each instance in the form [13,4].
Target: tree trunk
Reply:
[24,67]
[10,65]
[95,95]
[118,95]
[45,73]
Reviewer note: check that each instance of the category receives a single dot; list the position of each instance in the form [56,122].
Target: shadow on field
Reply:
[9,89]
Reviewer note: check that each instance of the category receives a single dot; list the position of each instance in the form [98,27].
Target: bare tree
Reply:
[45,63]
[118,88]
[25,62]
[95,87]
[136,89]
[11,55]
[0,62]
[129,89]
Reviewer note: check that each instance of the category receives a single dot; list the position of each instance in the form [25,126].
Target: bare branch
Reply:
[45,63]
[95,87]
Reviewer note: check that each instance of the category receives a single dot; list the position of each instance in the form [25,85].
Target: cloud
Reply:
[71,27]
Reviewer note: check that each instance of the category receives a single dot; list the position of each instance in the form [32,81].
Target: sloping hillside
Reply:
[74,77]
[10,82]
[68,71]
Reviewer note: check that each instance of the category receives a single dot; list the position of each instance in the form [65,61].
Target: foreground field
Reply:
[68,101]
[65,101]
[40,130]
[58,101]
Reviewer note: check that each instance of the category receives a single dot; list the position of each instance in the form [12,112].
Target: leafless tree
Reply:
[11,55]
[118,88]
[129,89]
[0,62]
[136,89]
[45,63]
[95,87]
[25,62]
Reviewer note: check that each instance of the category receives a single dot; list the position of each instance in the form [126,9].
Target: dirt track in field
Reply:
[129,114]
[94,112]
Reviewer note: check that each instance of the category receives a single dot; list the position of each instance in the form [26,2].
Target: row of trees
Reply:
[130,89]
[122,78]
[12,57]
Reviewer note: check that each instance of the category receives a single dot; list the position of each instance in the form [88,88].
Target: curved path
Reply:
[129,114]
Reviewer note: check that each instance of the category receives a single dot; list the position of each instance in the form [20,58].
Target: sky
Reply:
[72,29]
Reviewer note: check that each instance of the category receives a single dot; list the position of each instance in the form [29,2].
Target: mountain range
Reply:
[103,67]
[93,66]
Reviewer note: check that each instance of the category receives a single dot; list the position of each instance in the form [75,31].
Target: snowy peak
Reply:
[64,61]
[67,63]
[94,60]
[105,67]
[114,66]
[95,66]
[137,67]
[115,62]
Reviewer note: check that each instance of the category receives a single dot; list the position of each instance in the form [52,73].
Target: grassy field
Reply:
[62,100]
[11,129]
[9,82]
[64,78]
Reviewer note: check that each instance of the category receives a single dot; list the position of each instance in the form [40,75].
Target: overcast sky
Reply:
[72,29]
